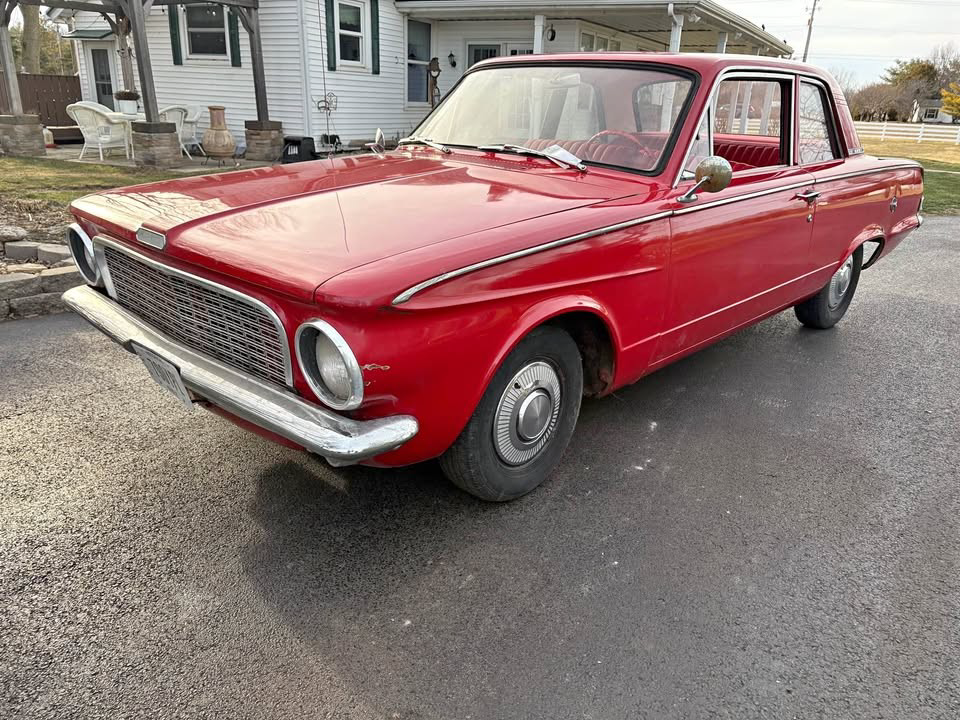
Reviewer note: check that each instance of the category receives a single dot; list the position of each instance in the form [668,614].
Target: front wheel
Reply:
[524,421]
[825,309]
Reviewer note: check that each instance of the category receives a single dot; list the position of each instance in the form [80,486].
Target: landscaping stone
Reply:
[60,279]
[50,253]
[65,263]
[17,285]
[31,268]
[42,304]
[21,250]
[21,135]
[4,309]
[10,233]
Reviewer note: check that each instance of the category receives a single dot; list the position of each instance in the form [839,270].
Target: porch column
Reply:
[721,42]
[148,91]
[676,29]
[6,60]
[539,21]
[264,136]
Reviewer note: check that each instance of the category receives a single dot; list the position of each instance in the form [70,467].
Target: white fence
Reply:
[919,132]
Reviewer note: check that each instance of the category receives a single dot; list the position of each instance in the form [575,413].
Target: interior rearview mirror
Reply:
[713,174]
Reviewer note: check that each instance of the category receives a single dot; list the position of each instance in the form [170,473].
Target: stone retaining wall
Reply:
[33,276]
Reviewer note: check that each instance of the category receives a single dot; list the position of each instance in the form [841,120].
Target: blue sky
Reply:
[860,36]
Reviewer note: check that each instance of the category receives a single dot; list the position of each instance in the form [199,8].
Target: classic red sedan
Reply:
[558,226]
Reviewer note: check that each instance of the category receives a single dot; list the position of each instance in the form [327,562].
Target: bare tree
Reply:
[847,81]
[877,101]
[31,38]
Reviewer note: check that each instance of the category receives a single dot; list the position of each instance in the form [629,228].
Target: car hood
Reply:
[291,228]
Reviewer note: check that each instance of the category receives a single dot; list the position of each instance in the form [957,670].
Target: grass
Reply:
[58,182]
[941,187]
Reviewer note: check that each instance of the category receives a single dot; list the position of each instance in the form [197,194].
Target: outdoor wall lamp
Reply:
[551,34]
[452,59]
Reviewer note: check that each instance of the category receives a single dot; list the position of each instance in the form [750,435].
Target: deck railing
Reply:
[920,132]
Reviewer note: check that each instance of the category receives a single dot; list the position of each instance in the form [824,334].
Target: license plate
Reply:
[165,373]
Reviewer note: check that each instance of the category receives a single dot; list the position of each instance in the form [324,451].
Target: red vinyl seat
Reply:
[744,152]
[611,153]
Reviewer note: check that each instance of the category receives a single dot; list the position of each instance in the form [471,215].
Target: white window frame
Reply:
[928,116]
[364,34]
[407,103]
[469,42]
[597,33]
[185,35]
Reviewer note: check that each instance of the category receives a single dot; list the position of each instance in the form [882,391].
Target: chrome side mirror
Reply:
[713,175]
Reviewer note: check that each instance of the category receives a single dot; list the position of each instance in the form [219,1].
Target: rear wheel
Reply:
[825,309]
[524,421]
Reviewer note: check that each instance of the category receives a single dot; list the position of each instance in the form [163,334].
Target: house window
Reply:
[614,46]
[476,53]
[592,42]
[931,113]
[586,42]
[206,30]
[351,27]
[418,60]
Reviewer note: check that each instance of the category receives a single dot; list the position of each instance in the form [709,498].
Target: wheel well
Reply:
[593,339]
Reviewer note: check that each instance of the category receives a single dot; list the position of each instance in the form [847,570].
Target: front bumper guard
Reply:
[340,440]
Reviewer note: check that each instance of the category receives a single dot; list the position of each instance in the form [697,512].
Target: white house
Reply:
[930,111]
[373,55]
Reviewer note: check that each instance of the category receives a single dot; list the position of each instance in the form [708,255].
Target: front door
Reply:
[102,71]
[741,253]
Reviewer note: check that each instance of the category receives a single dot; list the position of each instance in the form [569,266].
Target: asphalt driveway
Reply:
[770,528]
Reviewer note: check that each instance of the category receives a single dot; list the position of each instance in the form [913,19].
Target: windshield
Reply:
[602,115]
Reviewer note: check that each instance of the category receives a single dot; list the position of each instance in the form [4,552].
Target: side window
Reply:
[206,30]
[747,122]
[700,149]
[815,145]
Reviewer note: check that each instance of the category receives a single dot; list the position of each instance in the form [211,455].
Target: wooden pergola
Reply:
[129,17]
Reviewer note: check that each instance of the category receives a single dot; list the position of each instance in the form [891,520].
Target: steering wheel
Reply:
[619,134]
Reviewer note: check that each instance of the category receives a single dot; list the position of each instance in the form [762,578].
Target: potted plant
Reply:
[127,101]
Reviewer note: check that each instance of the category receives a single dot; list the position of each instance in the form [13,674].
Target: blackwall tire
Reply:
[825,309]
[519,430]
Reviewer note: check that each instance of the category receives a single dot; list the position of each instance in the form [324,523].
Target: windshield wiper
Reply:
[555,154]
[424,141]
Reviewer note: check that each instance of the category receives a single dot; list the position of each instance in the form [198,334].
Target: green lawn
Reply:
[58,182]
[941,186]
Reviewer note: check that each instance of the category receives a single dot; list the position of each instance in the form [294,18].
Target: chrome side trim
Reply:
[744,196]
[870,171]
[104,241]
[151,238]
[313,378]
[96,279]
[339,439]
[436,280]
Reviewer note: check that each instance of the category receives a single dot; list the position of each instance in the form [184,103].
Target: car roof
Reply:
[704,63]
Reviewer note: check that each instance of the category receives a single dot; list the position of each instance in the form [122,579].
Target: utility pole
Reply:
[806,47]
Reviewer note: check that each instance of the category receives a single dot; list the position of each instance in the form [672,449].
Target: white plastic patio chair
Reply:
[179,115]
[188,135]
[98,128]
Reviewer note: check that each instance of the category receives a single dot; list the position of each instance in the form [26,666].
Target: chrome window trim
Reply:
[104,241]
[836,141]
[742,72]
[349,359]
[870,171]
[437,279]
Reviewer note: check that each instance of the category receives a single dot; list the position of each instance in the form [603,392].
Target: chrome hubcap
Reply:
[839,283]
[527,414]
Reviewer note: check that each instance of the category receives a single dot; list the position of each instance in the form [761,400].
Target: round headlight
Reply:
[328,365]
[81,248]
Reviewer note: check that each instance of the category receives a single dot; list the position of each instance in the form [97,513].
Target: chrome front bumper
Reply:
[340,440]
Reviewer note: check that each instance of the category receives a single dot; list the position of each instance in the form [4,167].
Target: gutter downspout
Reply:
[305,69]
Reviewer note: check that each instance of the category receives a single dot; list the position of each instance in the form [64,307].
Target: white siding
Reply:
[364,101]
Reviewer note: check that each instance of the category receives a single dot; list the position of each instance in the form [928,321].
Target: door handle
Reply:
[809,197]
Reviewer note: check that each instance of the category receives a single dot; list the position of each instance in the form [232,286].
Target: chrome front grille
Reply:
[211,319]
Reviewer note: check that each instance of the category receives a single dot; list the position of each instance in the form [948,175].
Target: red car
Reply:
[558,226]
